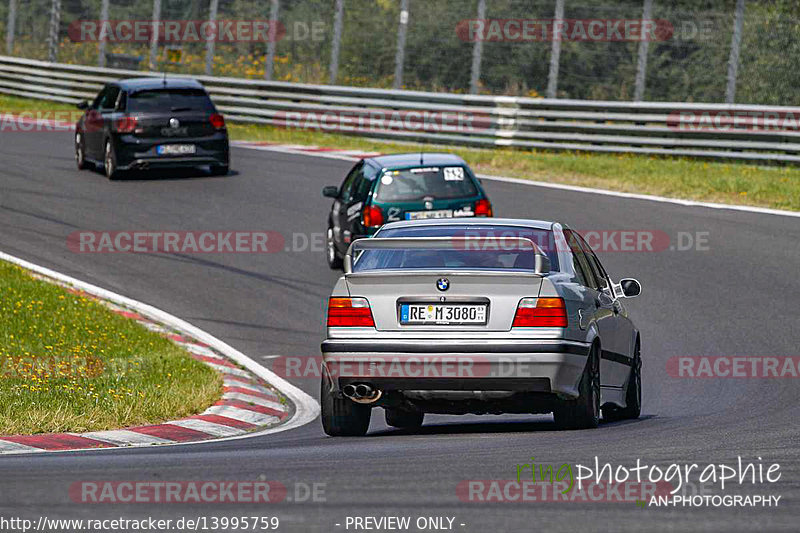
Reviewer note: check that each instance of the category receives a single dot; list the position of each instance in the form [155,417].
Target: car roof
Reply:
[149,83]
[472,221]
[415,159]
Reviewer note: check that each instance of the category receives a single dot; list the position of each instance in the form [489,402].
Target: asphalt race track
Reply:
[738,297]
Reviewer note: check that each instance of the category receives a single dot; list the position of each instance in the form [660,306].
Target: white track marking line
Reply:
[283,150]
[115,307]
[549,185]
[228,370]
[255,388]
[243,415]
[200,350]
[254,400]
[634,196]
[6,446]
[354,153]
[124,437]
[155,327]
[210,428]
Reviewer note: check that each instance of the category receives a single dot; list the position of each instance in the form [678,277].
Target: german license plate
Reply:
[175,149]
[442,314]
[420,215]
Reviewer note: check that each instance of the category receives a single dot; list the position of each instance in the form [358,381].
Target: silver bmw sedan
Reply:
[480,316]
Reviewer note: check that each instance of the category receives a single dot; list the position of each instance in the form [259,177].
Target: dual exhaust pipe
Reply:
[361,392]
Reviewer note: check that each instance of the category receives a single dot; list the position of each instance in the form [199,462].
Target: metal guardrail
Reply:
[736,132]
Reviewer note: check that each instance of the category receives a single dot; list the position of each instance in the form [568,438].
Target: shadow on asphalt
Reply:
[169,174]
[511,426]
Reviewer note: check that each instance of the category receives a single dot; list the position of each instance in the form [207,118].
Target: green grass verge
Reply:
[692,179]
[67,363]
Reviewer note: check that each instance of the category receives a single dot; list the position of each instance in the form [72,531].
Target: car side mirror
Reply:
[630,287]
[83,104]
[330,191]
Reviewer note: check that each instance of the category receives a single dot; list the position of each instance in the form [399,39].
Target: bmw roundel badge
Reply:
[443,284]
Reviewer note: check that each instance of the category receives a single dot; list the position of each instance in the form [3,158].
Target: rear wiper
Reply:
[174,109]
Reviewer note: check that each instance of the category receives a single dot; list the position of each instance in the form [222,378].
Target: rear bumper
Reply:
[135,153]
[172,162]
[551,366]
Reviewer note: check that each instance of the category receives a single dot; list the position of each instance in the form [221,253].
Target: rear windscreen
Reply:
[470,256]
[418,183]
[170,100]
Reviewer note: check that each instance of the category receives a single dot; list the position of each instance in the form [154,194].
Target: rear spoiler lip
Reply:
[444,272]
[541,261]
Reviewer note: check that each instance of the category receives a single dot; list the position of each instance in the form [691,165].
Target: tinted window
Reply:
[594,263]
[99,98]
[122,101]
[166,100]
[579,271]
[107,99]
[504,257]
[417,183]
[361,187]
[347,184]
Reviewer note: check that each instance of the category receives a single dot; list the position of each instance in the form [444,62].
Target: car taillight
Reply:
[217,120]
[349,313]
[373,216]
[125,124]
[483,208]
[541,313]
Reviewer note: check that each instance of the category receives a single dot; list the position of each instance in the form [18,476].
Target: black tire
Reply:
[342,417]
[402,418]
[334,260]
[219,170]
[80,152]
[110,162]
[583,412]
[633,394]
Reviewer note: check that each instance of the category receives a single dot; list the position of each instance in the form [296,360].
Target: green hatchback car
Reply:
[400,187]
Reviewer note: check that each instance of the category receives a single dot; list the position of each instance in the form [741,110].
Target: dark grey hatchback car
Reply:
[143,123]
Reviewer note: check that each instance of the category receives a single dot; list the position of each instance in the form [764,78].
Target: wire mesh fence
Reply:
[683,50]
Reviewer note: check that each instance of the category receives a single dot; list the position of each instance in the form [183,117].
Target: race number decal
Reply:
[453,174]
